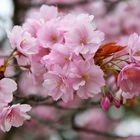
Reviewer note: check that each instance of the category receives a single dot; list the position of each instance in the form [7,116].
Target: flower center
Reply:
[83,41]
[54,38]
[85,77]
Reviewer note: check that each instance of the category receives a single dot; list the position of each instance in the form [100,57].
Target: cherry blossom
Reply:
[58,84]
[133,47]
[50,34]
[22,41]
[13,115]
[60,55]
[89,79]
[7,87]
[128,80]
[83,39]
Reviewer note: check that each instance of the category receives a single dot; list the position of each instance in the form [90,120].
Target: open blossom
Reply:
[50,34]
[134,47]
[60,55]
[7,87]
[22,41]
[32,26]
[83,77]
[89,79]
[58,84]
[83,39]
[13,115]
[129,80]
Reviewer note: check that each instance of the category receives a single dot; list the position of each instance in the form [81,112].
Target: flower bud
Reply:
[105,103]
[117,103]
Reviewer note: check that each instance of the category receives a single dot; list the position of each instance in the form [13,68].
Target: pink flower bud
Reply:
[111,98]
[105,103]
[117,103]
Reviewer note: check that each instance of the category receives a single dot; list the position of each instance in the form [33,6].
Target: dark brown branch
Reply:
[28,5]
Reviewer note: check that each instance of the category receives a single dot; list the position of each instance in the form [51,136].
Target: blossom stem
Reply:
[9,57]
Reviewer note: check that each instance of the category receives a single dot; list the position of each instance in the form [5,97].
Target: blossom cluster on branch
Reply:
[67,56]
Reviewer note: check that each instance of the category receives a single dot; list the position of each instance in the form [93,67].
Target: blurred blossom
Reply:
[125,125]
[28,87]
[48,113]
[94,119]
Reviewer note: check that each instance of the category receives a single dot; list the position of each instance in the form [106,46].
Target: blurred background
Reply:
[117,19]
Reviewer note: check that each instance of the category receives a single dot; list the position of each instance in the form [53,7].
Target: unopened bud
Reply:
[117,103]
[105,103]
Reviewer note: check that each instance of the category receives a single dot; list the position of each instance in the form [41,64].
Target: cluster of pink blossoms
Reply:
[13,115]
[66,56]
[128,77]
[59,49]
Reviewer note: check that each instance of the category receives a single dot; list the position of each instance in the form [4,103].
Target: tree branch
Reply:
[28,5]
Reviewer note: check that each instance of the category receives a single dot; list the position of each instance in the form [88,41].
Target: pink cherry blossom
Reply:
[22,41]
[48,12]
[83,39]
[50,34]
[60,55]
[133,47]
[89,79]
[7,87]
[32,26]
[129,80]
[58,84]
[13,115]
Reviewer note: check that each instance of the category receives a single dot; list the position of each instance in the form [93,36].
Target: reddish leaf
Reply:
[108,49]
